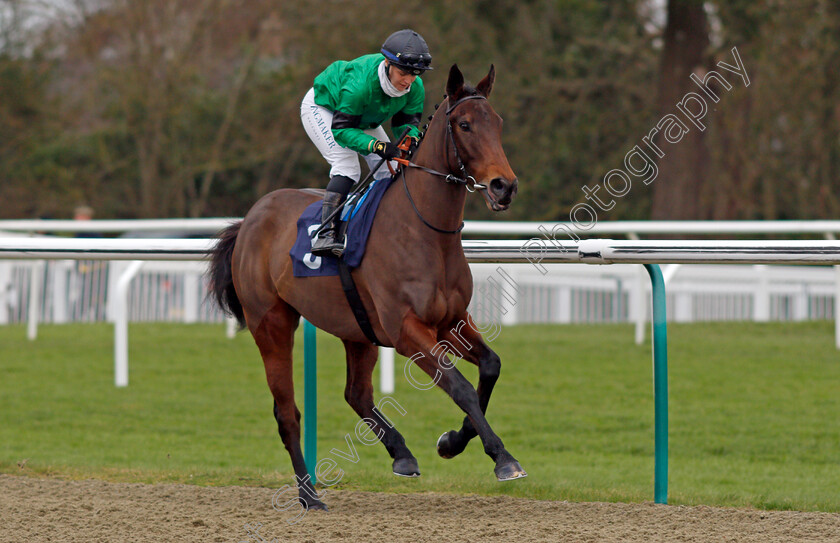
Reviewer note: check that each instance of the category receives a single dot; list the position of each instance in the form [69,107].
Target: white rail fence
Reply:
[165,293]
[559,230]
[65,291]
[79,291]
[119,291]
[576,293]
[673,253]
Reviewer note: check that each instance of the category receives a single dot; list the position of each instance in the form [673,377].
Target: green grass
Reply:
[753,413]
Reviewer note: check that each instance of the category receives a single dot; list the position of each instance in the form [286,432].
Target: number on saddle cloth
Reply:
[360,212]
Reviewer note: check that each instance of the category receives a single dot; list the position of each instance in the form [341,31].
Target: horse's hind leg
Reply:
[275,337]
[473,348]
[361,358]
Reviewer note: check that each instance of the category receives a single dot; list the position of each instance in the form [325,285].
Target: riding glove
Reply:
[413,142]
[386,149]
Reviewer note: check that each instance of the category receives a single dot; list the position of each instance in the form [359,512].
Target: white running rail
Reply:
[596,251]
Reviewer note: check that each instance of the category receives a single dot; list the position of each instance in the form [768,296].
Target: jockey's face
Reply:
[399,78]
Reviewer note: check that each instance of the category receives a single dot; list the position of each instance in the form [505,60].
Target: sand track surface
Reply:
[48,509]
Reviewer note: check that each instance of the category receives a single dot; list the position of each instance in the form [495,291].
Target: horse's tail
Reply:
[221,279]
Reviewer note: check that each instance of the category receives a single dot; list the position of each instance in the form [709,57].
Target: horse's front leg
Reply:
[467,341]
[418,341]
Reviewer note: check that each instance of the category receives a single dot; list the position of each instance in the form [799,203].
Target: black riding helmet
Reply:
[408,50]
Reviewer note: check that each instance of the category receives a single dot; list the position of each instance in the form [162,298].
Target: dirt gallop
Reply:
[38,509]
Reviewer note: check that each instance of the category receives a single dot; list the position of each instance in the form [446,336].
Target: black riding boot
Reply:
[327,244]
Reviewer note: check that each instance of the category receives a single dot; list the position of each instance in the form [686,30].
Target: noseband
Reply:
[467,180]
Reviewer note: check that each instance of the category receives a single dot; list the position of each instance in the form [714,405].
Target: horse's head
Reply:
[476,132]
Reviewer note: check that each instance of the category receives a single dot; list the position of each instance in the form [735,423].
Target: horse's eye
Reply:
[464,125]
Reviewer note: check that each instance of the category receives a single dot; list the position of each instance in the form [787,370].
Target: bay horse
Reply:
[414,282]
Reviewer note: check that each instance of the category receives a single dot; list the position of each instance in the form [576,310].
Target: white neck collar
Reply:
[385,82]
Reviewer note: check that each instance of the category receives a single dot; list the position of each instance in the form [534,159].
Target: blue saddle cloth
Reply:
[360,215]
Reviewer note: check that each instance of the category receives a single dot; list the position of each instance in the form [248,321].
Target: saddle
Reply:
[357,217]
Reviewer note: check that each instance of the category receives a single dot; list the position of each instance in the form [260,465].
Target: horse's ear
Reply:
[486,84]
[455,82]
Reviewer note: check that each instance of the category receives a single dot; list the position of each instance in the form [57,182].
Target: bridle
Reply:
[466,180]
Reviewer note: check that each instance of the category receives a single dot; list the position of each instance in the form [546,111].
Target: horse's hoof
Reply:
[406,467]
[445,449]
[510,471]
[316,506]
[443,446]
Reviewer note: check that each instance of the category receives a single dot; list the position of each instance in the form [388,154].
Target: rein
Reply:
[466,180]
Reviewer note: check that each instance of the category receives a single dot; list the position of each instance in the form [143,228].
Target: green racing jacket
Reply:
[351,90]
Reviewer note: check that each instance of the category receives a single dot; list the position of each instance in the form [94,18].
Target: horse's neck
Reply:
[440,203]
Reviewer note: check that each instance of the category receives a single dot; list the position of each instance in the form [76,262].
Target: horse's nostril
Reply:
[502,189]
[498,185]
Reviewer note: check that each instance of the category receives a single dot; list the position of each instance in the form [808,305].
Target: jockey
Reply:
[344,110]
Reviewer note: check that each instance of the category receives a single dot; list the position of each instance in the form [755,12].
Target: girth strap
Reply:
[355,301]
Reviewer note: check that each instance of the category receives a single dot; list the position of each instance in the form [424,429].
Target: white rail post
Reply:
[386,370]
[36,280]
[837,306]
[761,302]
[669,272]
[640,304]
[59,290]
[5,291]
[191,297]
[230,327]
[508,295]
[563,311]
[640,308]
[115,271]
[683,306]
[831,236]
[121,323]
[800,304]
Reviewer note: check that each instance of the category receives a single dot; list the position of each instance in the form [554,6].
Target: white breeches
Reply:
[317,121]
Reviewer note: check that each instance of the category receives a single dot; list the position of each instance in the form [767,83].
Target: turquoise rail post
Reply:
[660,384]
[310,399]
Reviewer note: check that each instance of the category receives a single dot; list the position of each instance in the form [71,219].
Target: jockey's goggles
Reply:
[413,63]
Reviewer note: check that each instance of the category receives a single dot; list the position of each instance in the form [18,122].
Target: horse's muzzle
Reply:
[500,193]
